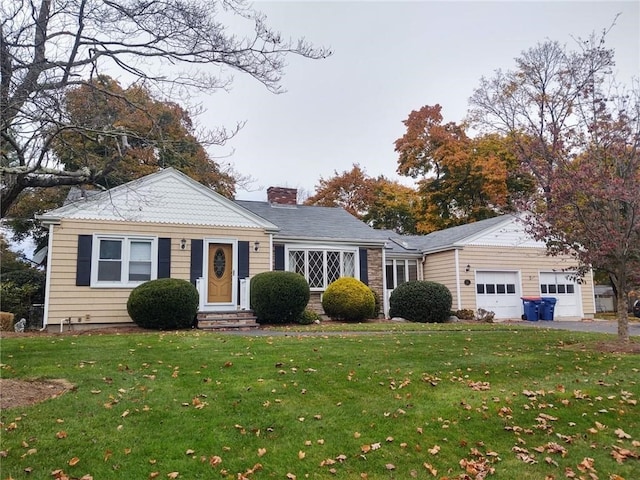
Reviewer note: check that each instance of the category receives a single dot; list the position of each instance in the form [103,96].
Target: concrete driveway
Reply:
[596,326]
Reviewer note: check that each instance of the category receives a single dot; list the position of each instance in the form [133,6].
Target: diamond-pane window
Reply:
[348,264]
[321,267]
[296,261]
[333,266]
[316,269]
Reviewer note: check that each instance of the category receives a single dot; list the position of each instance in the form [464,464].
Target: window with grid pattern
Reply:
[123,261]
[321,267]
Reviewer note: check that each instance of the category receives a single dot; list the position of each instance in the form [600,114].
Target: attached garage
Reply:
[499,292]
[565,289]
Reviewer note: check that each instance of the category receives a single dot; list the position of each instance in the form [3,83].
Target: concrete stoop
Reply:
[232,319]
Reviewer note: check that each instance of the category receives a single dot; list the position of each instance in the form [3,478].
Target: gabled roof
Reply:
[504,230]
[167,196]
[311,223]
[450,237]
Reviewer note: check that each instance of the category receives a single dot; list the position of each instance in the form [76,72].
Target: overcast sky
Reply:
[389,58]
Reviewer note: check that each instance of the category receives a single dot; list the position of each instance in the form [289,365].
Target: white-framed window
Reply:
[321,266]
[400,271]
[123,261]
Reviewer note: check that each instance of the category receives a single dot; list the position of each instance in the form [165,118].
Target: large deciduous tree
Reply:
[173,47]
[578,136]
[351,190]
[378,201]
[158,135]
[460,179]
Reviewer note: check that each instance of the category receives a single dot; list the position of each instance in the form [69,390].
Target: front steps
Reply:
[232,319]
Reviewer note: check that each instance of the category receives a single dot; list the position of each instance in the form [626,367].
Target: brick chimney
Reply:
[282,196]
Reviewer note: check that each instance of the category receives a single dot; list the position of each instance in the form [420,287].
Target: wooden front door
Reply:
[220,273]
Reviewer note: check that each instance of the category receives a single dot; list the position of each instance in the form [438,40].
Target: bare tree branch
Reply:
[48,47]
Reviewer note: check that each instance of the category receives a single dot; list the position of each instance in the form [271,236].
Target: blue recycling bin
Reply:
[532,308]
[547,308]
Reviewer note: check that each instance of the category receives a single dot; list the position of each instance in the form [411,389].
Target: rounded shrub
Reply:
[279,297]
[308,317]
[163,304]
[348,299]
[420,301]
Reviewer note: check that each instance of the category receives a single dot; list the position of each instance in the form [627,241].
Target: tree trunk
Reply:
[623,316]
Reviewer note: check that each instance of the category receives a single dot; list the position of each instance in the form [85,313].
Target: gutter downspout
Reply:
[47,289]
[271,252]
[459,300]
[385,297]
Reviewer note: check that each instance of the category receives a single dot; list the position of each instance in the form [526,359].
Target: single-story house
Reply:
[167,225]
[103,245]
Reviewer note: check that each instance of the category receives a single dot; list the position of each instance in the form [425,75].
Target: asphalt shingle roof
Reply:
[450,236]
[311,222]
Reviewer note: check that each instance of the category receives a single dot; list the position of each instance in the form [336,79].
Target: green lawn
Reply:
[415,402]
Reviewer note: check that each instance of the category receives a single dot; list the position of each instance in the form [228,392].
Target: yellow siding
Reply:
[529,262]
[108,305]
[439,267]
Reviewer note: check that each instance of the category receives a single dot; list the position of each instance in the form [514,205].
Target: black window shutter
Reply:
[83,265]
[243,260]
[364,267]
[196,260]
[243,263]
[278,253]
[164,257]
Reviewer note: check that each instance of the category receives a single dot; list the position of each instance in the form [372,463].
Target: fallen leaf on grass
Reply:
[215,460]
[261,451]
[621,433]
[153,475]
[621,454]
[430,468]
[73,461]
[301,454]
[61,434]
[173,475]
[434,450]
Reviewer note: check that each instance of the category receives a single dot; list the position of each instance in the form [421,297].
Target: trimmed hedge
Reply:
[420,301]
[348,299]
[279,297]
[163,304]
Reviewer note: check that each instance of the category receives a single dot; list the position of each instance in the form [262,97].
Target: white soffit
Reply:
[165,197]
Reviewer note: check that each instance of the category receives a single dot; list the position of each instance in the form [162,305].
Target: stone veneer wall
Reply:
[374,263]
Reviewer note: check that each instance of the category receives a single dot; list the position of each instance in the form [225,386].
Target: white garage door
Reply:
[499,292]
[565,289]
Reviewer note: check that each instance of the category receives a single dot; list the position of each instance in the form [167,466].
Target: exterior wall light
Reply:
[256,246]
[183,244]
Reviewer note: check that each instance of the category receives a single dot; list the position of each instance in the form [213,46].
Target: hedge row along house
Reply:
[102,245]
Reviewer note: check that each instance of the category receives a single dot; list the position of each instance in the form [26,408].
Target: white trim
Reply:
[324,248]
[124,267]
[385,294]
[271,252]
[47,291]
[457,262]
